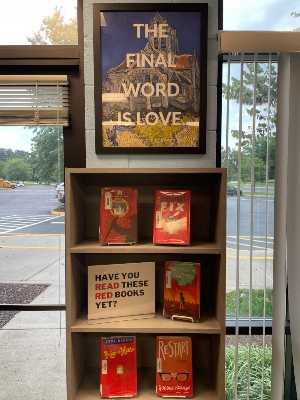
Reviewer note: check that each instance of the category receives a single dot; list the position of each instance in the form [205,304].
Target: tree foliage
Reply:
[17,170]
[46,158]
[55,30]
[265,93]
[296,15]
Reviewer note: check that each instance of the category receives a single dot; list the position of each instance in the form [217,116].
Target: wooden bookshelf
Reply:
[208,246]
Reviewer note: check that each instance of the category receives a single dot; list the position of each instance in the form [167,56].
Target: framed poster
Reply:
[150,68]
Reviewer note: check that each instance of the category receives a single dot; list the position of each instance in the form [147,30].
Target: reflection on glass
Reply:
[38,23]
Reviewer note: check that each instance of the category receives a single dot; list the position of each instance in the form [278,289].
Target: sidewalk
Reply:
[33,344]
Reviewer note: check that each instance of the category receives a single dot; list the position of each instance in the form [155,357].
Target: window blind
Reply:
[27,100]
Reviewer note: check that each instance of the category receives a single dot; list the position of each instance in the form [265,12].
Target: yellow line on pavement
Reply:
[248,257]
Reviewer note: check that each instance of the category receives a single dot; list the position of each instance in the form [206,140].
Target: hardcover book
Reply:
[171,222]
[118,374]
[118,216]
[182,291]
[174,367]
[118,292]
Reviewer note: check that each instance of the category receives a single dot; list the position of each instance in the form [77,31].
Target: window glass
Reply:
[32,215]
[272,15]
[34,23]
[248,152]
[33,347]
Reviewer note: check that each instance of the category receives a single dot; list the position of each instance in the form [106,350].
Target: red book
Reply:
[118,216]
[171,222]
[174,367]
[182,291]
[118,375]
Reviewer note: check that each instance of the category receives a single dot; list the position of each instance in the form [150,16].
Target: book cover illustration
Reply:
[171,222]
[118,292]
[182,291]
[174,367]
[118,375]
[118,216]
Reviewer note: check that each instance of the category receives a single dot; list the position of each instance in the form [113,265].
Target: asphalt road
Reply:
[28,210]
[258,231]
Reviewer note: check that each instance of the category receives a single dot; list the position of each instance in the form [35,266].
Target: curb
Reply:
[57,211]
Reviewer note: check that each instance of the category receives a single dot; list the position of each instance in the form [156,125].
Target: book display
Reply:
[171,220]
[182,291]
[118,216]
[118,376]
[174,366]
[133,290]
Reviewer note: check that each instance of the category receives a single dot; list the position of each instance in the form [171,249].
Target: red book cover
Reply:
[118,216]
[182,291]
[118,375]
[171,222]
[174,367]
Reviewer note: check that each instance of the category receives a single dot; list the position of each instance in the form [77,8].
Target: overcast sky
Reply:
[260,15]
[20,18]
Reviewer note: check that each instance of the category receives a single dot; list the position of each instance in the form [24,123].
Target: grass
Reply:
[258,300]
[257,370]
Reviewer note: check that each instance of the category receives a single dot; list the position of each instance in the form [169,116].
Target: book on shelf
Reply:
[182,282]
[171,221]
[120,292]
[118,370]
[118,215]
[174,366]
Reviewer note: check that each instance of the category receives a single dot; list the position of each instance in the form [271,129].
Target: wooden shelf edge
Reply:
[159,325]
[89,388]
[92,246]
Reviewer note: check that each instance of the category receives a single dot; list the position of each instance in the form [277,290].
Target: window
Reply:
[24,22]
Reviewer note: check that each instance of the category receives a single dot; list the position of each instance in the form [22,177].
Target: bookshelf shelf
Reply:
[208,246]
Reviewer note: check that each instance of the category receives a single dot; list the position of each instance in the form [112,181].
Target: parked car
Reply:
[62,197]
[19,184]
[59,187]
[232,191]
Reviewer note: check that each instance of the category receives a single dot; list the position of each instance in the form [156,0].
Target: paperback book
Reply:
[182,291]
[171,222]
[118,292]
[118,216]
[118,374]
[174,367]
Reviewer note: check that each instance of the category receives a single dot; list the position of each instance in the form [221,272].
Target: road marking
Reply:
[14,222]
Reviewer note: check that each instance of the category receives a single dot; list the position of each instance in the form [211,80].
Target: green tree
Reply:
[232,164]
[266,90]
[2,164]
[246,170]
[55,30]
[46,158]
[17,170]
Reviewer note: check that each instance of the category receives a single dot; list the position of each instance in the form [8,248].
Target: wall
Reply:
[152,161]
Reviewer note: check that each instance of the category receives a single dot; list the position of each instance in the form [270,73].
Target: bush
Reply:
[254,370]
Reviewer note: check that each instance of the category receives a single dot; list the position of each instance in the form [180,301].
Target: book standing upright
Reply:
[182,291]
[118,215]
[118,374]
[174,367]
[171,222]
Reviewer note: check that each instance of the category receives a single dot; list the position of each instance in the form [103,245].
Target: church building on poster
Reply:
[156,78]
